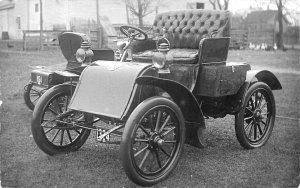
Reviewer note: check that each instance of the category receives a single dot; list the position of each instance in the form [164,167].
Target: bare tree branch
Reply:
[141,8]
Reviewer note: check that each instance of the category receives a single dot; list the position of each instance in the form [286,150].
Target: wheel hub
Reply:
[155,141]
[257,115]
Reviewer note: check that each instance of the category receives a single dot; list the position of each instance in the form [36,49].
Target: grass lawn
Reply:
[223,163]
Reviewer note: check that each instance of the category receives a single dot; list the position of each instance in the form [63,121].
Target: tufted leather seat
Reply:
[184,30]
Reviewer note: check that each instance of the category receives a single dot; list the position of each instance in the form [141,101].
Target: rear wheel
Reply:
[255,122]
[51,125]
[32,93]
[152,141]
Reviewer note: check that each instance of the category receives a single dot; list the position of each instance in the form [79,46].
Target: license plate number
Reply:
[39,79]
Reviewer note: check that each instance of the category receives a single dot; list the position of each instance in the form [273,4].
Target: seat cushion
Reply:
[180,55]
[185,28]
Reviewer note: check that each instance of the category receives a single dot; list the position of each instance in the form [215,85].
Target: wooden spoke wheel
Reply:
[52,126]
[152,141]
[255,122]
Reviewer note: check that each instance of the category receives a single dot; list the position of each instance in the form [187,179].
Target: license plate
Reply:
[100,132]
[39,79]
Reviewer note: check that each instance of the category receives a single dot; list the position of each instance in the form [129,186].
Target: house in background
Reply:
[19,15]
[262,27]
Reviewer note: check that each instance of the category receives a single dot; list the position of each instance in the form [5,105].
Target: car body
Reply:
[157,94]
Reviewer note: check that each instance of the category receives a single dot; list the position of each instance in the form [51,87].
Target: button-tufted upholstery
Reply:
[185,29]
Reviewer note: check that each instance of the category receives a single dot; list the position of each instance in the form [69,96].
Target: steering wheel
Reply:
[134,32]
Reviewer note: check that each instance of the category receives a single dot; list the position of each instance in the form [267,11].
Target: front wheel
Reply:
[255,121]
[52,124]
[152,141]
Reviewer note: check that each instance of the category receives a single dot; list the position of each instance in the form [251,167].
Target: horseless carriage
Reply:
[157,95]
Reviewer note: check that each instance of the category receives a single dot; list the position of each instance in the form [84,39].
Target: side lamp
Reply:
[162,59]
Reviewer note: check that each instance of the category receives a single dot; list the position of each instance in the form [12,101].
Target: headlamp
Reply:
[80,55]
[84,53]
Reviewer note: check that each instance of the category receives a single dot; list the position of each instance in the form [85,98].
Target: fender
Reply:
[264,76]
[180,94]
[235,101]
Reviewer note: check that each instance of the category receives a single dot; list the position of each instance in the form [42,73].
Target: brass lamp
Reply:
[162,59]
[84,54]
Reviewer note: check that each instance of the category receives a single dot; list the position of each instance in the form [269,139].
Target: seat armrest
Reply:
[213,50]
[140,46]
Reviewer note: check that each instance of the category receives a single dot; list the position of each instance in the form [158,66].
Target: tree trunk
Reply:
[41,25]
[213,3]
[280,25]
[140,13]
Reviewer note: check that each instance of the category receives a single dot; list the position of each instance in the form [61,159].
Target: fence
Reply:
[31,39]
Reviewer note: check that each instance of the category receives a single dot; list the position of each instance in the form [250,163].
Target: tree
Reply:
[280,23]
[217,4]
[282,12]
[141,8]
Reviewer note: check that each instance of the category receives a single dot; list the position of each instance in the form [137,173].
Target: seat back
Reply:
[69,43]
[185,28]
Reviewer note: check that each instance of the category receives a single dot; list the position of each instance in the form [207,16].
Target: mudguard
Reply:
[105,88]
[236,101]
[180,94]
[193,116]
[264,76]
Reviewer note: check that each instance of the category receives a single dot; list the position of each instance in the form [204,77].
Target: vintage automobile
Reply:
[157,95]
[43,78]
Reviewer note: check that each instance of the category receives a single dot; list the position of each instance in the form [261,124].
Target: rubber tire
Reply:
[239,118]
[26,96]
[127,137]
[37,131]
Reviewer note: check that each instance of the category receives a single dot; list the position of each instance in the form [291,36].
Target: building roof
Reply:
[6,5]
[263,16]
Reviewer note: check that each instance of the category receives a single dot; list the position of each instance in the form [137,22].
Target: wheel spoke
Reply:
[255,131]
[144,159]
[259,128]
[35,100]
[256,98]
[170,141]
[248,108]
[248,125]
[141,140]
[151,122]
[168,131]
[55,135]
[263,122]
[165,123]
[141,151]
[66,103]
[157,159]
[52,110]
[250,132]
[158,120]
[252,103]
[62,137]
[69,136]
[144,130]
[50,129]
[164,151]
[58,106]
[250,117]
[77,131]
